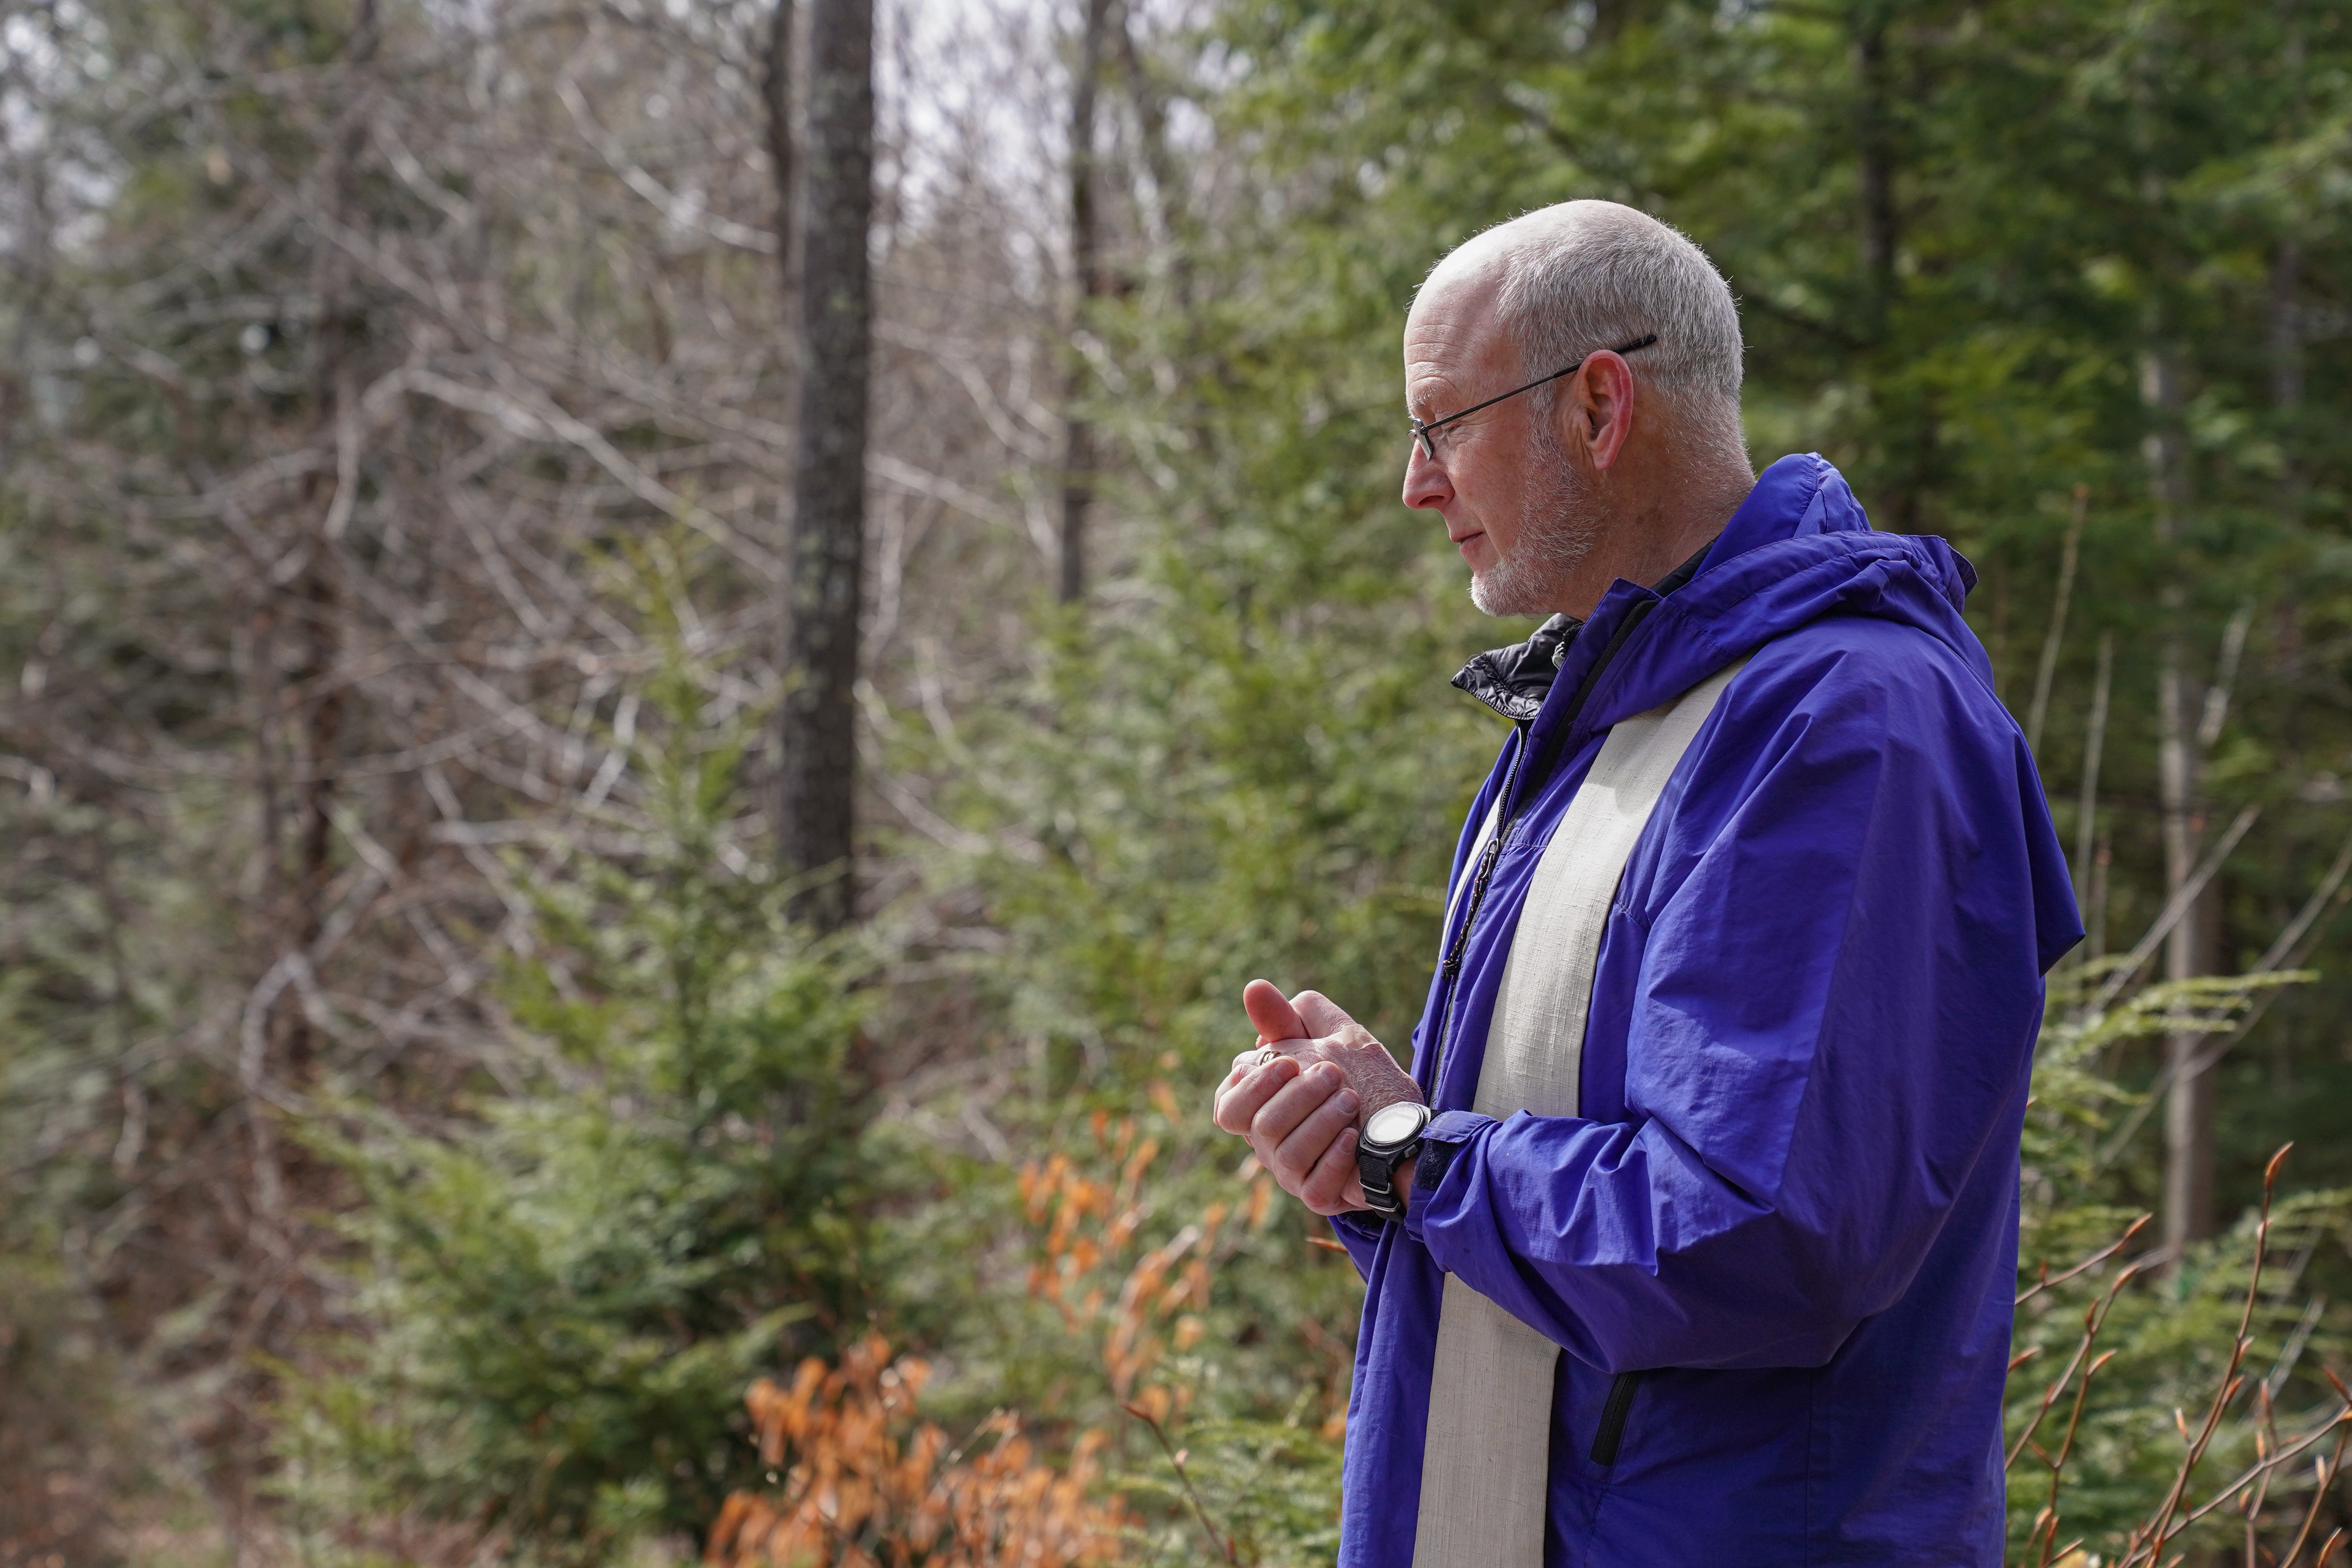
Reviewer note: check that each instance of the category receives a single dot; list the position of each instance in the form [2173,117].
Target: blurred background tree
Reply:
[391,946]
[564,1287]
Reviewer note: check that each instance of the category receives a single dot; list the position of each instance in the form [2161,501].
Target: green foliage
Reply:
[1069,1322]
[1223,792]
[568,1286]
[2170,1332]
[1270,1487]
[69,1453]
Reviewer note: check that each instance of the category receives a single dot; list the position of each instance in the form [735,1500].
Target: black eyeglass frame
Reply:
[1420,431]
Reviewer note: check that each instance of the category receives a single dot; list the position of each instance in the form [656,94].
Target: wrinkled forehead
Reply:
[1452,338]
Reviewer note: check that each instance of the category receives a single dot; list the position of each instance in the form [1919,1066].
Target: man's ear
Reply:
[1600,406]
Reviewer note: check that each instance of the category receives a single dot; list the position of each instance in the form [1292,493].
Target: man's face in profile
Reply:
[1514,503]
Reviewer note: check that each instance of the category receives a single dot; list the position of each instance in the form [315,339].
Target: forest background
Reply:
[444,1069]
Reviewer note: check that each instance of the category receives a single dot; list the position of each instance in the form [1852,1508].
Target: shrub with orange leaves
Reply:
[1086,1225]
[864,1482]
[866,1485]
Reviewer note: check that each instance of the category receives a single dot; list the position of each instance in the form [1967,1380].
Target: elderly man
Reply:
[1691,1235]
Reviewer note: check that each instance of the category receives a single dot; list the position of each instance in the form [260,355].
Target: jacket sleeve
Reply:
[1830,1021]
[1361,1235]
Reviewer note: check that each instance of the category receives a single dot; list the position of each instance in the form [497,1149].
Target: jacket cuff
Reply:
[1359,1232]
[1445,1136]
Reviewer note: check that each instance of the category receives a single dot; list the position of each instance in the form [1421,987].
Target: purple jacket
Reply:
[1780,1245]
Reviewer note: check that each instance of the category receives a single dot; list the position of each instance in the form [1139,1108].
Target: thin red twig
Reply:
[2230,1380]
[1223,1543]
[2048,1279]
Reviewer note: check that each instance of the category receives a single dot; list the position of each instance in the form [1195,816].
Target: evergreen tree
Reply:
[567,1285]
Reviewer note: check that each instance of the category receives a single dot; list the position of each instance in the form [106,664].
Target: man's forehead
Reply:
[1449,331]
[1454,300]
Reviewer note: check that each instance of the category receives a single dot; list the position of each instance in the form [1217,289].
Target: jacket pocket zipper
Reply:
[1614,1411]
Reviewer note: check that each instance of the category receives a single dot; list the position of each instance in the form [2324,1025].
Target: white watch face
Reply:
[1393,1123]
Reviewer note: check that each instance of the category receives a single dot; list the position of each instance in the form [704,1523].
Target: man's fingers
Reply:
[1239,1105]
[1296,1157]
[1226,1085]
[1318,1013]
[1326,1186]
[1279,1116]
[1271,1012]
[1296,1110]
[1258,1056]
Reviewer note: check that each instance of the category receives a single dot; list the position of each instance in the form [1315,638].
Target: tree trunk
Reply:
[2086,810]
[2287,283]
[1150,104]
[817,775]
[776,94]
[314,605]
[2189,949]
[1874,146]
[1078,456]
[2286,367]
[1610,18]
[1908,474]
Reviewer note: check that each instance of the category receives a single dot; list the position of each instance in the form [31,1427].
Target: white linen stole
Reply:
[1485,1468]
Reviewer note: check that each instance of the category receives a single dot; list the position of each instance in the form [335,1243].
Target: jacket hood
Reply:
[1798,550]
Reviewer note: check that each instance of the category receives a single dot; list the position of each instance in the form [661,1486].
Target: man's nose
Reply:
[1425,483]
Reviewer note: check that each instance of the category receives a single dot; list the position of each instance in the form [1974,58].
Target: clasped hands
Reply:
[1301,1110]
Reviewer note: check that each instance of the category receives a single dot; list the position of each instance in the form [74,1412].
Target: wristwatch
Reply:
[1391,1135]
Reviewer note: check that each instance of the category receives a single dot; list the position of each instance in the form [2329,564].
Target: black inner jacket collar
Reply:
[1513,681]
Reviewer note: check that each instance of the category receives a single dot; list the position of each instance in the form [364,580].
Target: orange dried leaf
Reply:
[1261,1201]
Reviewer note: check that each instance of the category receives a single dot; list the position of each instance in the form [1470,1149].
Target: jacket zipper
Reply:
[1478,878]
[1614,1411]
[1471,900]
[1508,819]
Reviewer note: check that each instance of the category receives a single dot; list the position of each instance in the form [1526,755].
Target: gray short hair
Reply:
[1589,275]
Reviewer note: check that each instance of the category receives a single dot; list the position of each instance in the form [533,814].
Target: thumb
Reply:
[1272,1015]
[1322,1016]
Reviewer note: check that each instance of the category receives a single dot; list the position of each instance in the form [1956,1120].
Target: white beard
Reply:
[1558,520]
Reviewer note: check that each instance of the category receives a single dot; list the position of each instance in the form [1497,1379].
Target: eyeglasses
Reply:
[1423,430]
